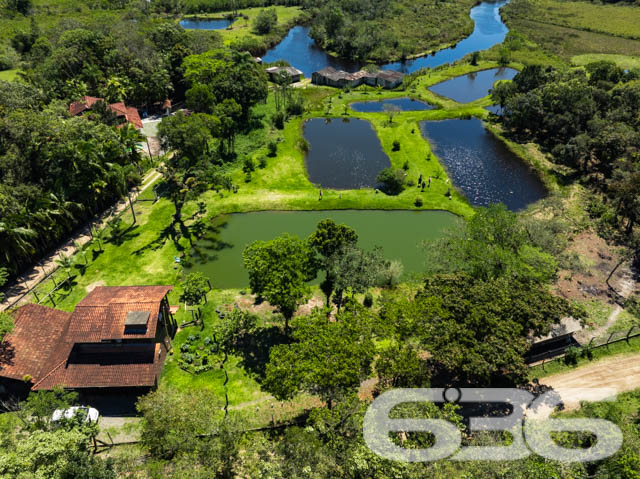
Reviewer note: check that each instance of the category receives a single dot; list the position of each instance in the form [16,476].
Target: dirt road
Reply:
[619,372]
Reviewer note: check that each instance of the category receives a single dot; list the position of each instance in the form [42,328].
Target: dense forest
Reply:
[55,171]
[588,121]
[379,30]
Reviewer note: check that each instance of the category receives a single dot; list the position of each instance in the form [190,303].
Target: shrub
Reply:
[262,163]
[273,148]
[248,166]
[265,21]
[368,300]
[295,107]
[195,287]
[392,181]
[418,202]
[571,355]
[278,119]
[396,145]
[405,165]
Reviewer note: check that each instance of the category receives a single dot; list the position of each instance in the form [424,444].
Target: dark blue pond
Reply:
[343,154]
[205,23]
[481,166]
[300,50]
[472,87]
[403,104]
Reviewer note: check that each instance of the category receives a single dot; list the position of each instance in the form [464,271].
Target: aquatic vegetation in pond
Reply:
[343,153]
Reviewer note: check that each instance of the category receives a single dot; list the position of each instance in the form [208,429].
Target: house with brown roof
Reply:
[124,113]
[116,338]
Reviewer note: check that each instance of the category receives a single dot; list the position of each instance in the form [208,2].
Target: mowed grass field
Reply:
[623,61]
[575,27]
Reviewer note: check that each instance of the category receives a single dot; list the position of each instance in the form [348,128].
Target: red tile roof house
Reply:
[117,338]
[125,114]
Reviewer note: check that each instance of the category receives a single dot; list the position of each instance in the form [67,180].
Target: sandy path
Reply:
[621,373]
[23,284]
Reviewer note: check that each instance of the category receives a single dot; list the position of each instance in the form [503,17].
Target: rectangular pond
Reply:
[398,233]
[473,86]
[400,104]
[343,153]
[205,23]
[481,166]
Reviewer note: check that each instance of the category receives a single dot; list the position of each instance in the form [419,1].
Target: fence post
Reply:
[629,333]
[52,301]
[543,360]
[608,340]
[35,293]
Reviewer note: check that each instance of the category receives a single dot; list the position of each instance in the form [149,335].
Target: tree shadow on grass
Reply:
[254,350]
[124,236]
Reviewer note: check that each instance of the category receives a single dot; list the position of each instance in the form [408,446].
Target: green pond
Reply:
[398,233]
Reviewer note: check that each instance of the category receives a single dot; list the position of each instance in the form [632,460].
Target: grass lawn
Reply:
[8,75]
[623,61]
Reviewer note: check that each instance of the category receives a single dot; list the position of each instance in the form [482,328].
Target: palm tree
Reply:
[16,243]
[65,263]
[98,235]
[81,248]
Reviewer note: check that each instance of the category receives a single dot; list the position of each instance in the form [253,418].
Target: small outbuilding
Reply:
[294,74]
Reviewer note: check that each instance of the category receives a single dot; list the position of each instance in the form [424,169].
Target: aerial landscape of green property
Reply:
[230,230]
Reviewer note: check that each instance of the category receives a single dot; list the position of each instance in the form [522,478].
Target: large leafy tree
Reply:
[326,358]
[190,428]
[229,75]
[279,271]
[477,331]
[494,243]
[328,240]
[189,138]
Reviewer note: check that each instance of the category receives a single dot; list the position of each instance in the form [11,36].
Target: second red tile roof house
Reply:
[122,111]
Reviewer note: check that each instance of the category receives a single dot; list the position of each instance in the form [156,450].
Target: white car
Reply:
[92,414]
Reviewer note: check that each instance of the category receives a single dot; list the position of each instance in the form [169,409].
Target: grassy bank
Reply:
[241,30]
